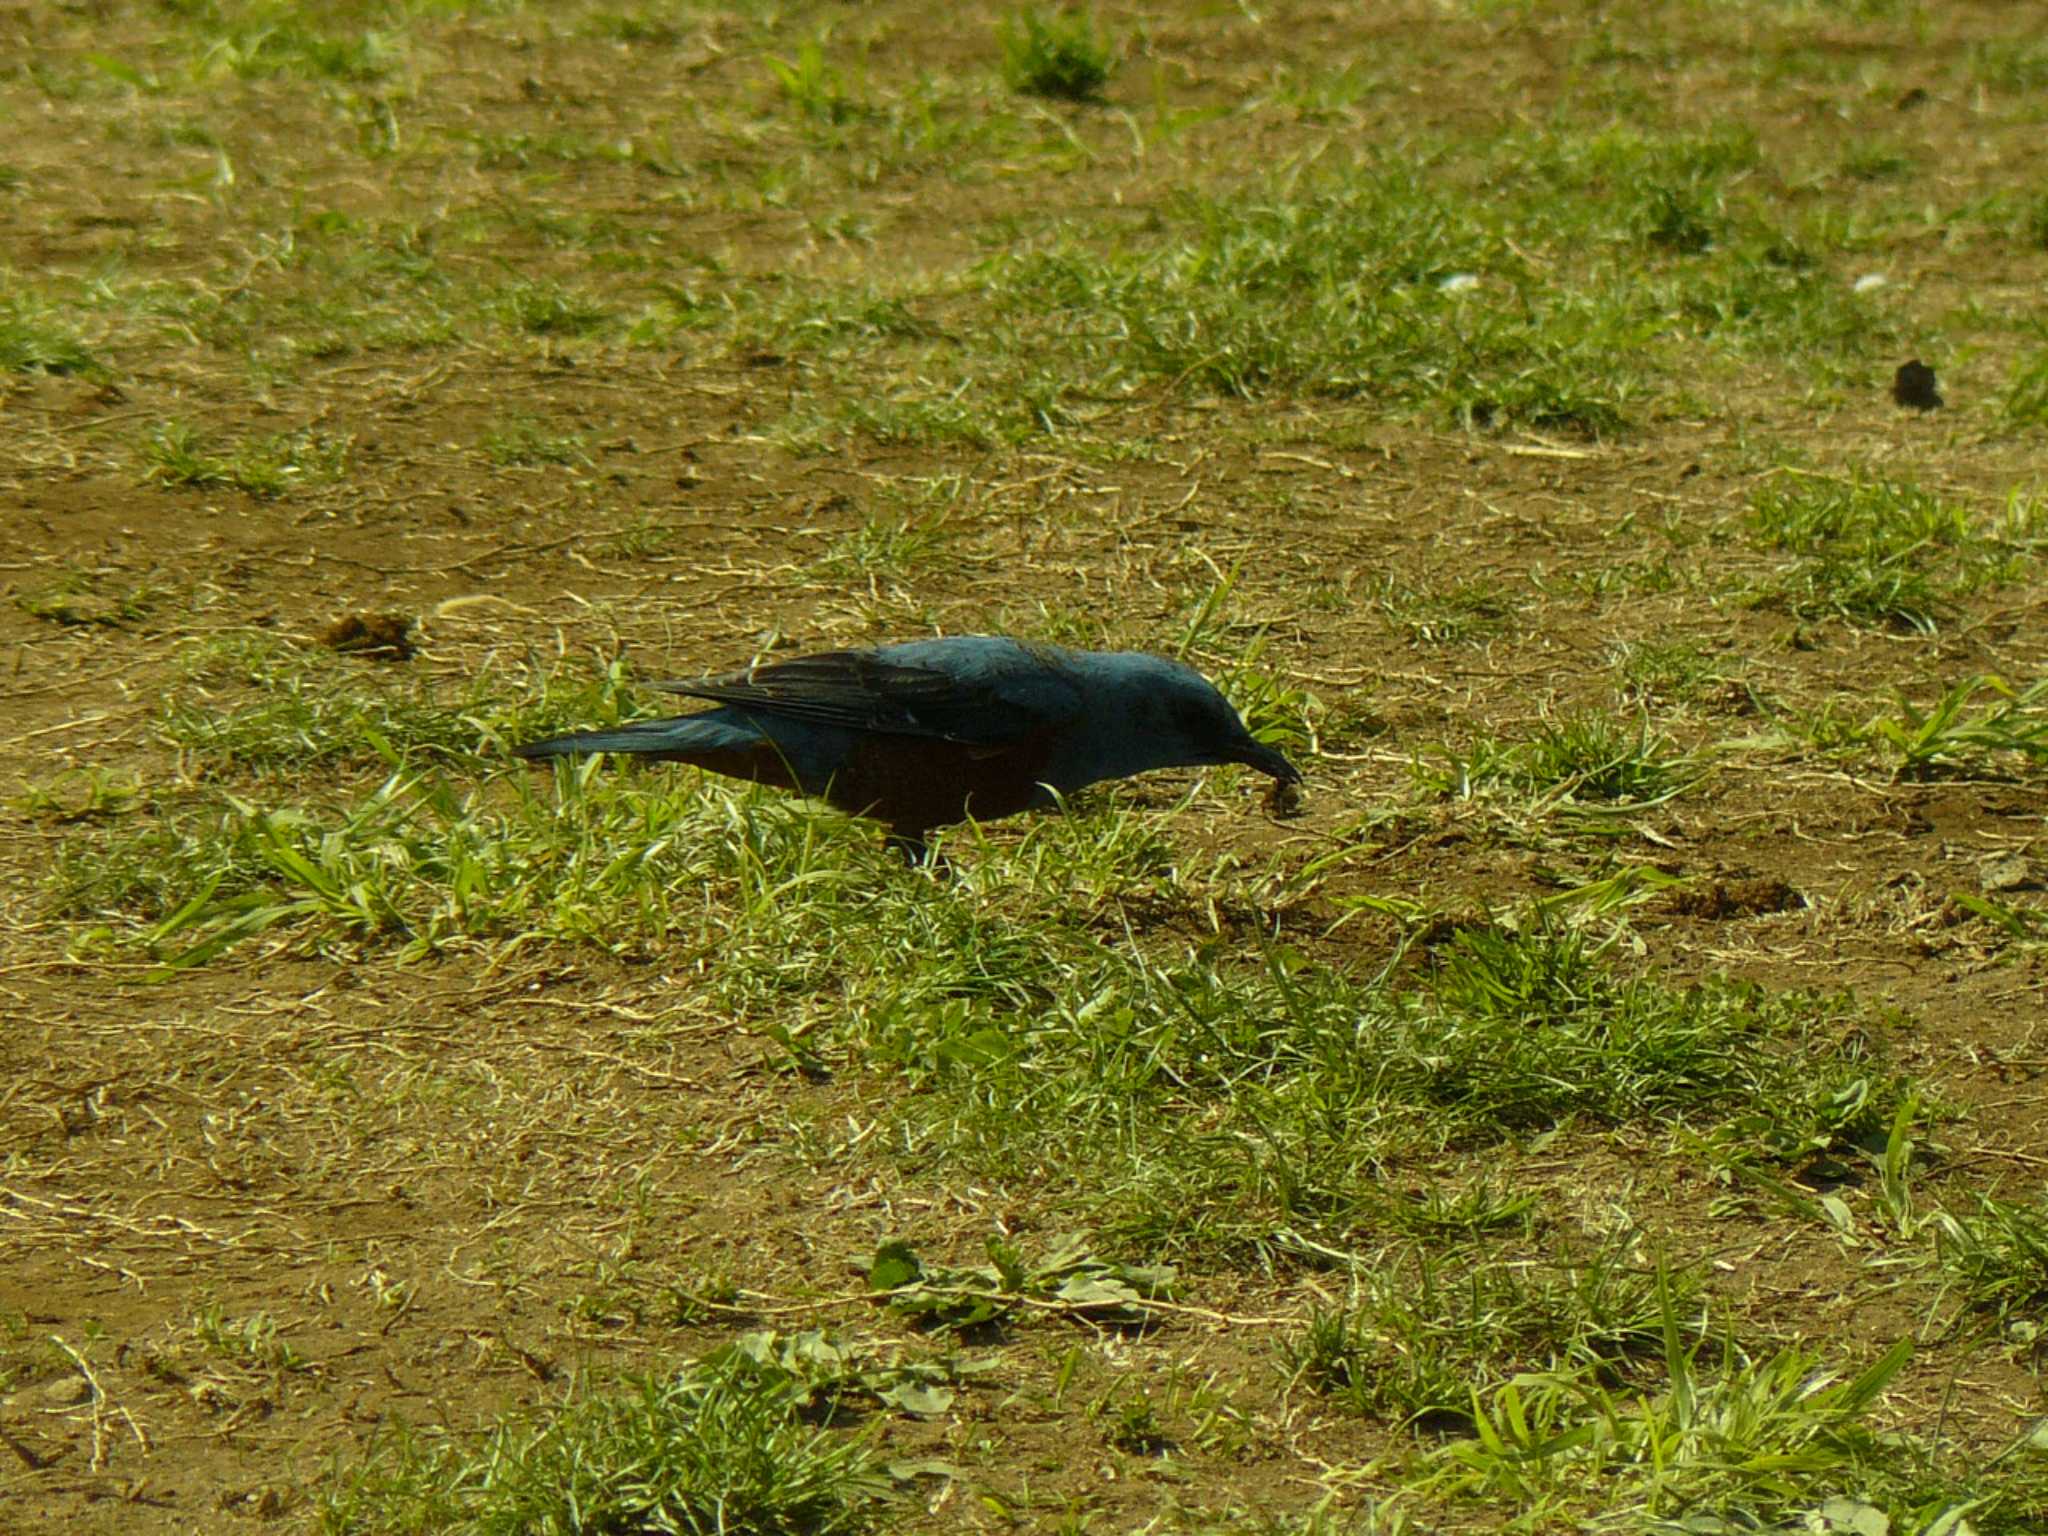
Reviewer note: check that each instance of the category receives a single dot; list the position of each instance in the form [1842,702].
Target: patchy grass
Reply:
[713,1446]
[1430,1336]
[521,441]
[1766,1439]
[1872,551]
[1558,1117]
[1061,55]
[178,456]
[2005,738]
[1587,759]
[33,337]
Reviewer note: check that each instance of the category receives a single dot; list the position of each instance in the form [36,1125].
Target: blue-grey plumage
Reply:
[928,732]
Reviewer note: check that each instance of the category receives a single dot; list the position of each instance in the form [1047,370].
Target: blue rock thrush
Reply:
[929,732]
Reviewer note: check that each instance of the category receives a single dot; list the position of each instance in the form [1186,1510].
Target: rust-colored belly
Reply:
[914,783]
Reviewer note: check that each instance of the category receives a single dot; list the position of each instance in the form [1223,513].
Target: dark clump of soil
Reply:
[1755,897]
[380,636]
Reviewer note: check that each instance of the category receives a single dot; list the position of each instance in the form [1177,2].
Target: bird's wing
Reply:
[861,690]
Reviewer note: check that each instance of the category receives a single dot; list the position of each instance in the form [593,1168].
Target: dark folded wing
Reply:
[863,691]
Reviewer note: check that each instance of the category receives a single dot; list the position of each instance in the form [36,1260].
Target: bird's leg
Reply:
[918,853]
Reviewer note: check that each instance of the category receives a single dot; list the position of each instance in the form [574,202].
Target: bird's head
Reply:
[1170,716]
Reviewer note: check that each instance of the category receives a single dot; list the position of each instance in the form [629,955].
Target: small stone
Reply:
[2004,872]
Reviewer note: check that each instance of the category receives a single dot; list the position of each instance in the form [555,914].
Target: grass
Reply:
[1061,56]
[1590,760]
[1268,1087]
[887,547]
[89,598]
[1994,1258]
[1754,1440]
[1463,1152]
[2026,398]
[1672,671]
[1429,1335]
[523,441]
[716,1446]
[1447,614]
[178,456]
[814,87]
[2003,739]
[1344,291]
[1872,551]
[34,339]
[255,705]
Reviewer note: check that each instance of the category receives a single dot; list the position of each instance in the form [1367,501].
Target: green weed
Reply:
[1994,1258]
[2026,398]
[179,455]
[1873,551]
[1452,614]
[719,1445]
[1952,739]
[1429,1334]
[521,441]
[551,309]
[1773,1439]
[1588,759]
[1357,289]
[254,1340]
[1675,671]
[90,599]
[1066,1279]
[1060,55]
[887,547]
[814,87]
[35,339]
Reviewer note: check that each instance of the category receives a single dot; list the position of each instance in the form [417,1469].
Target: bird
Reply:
[924,733]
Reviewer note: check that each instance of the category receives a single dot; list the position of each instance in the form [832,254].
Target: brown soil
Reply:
[449,1183]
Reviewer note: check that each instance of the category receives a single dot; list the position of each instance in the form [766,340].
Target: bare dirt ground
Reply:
[256,1211]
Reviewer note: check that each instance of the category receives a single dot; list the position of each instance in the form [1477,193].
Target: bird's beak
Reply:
[1264,758]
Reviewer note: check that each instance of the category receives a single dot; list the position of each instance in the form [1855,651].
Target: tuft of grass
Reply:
[550,309]
[1361,288]
[1676,671]
[814,87]
[1426,1336]
[1061,56]
[1874,160]
[719,1446]
[253,704]
[1994,1258]
[254,1341]
[1588,759]
[641,27]
[1873,551]
[887,547]
[278,43]
[89,598]
[521,441]
[2033,223]
[33,339]
[2026,398]
[2018,64]
[1764,1443]
[1952,739]
[178,455]
[1453,614]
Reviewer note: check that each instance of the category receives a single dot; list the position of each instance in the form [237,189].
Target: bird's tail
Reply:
[685,737]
